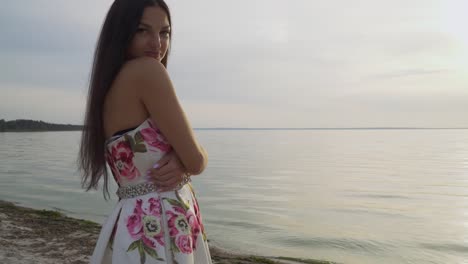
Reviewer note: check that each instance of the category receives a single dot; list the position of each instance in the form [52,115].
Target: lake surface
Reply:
[351,196]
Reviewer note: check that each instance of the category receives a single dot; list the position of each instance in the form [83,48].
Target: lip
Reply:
[152,54]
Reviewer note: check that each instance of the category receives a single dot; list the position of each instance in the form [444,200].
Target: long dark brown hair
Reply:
[117,32]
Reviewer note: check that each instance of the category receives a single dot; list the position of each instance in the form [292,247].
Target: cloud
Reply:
[257,62]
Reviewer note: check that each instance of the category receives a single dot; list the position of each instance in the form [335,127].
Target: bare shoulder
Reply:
[141,69]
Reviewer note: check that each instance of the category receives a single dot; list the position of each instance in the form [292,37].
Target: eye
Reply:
[139,30]
[165,33]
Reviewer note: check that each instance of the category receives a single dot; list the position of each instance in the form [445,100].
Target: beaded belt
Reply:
[132,191]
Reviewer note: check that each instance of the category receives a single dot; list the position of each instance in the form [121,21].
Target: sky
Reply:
[257,63]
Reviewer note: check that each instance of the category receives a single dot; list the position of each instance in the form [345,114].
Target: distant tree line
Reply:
[20,125]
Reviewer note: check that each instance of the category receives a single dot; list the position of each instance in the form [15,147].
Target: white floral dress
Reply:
[158,227]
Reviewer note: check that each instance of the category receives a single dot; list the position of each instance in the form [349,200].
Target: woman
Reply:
[135,123]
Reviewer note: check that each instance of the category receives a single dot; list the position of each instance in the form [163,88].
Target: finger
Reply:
[163,178]
[172,179]
[171,166]
[157,173]
[162,162]
[162,174]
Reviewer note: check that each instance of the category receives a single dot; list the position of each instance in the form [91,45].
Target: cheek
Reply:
[165,44]
[136,46]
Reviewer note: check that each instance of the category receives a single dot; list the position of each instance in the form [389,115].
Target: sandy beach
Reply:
[30,236]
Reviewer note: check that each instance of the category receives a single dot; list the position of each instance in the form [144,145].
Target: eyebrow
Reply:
[148,26]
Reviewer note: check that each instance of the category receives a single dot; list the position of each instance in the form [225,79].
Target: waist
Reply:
[131,191]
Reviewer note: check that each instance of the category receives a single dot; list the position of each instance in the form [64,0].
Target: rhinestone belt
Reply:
[132,191]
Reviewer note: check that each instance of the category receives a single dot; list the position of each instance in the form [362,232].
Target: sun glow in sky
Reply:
[258,63]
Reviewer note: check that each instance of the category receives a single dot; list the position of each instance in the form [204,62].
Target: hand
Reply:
[167,173]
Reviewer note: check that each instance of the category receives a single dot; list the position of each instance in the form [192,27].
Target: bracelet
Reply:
[185,179]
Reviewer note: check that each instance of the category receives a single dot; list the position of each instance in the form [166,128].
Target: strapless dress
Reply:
[147,226]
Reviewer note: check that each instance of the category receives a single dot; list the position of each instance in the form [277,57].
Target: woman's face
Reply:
[152,36]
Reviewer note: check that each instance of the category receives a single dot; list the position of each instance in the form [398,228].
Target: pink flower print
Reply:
[197,211]
[182,223]
[122,156]
[138,207]
[111,163]
[145,223]
[195,229]
[134,226]
[184,243]
[152,229]
[154,206]
[178,223]
[154,138]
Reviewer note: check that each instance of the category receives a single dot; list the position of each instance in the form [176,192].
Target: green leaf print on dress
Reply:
[184,225]
[144,225]
[137,144]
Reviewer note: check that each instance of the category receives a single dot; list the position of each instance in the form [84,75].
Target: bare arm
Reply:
[156,92]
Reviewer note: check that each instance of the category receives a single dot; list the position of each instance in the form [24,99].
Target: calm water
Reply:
[352,196]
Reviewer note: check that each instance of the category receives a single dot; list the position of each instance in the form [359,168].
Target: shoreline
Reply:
[43,236]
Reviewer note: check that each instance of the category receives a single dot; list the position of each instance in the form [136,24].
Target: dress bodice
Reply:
[130,155]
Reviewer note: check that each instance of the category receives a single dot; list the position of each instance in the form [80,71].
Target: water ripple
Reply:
[245,225]
[373,212]
[380,196]
[451,247]
[337,243]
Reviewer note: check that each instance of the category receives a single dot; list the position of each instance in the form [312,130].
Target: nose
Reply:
[155,42]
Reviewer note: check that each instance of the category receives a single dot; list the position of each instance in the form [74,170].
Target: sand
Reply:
[30,236]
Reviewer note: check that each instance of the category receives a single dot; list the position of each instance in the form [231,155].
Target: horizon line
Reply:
[323,128]
[285,128]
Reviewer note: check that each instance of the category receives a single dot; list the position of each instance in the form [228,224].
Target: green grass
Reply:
[262,260]
[88,225]
[307,261]
[49,214]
